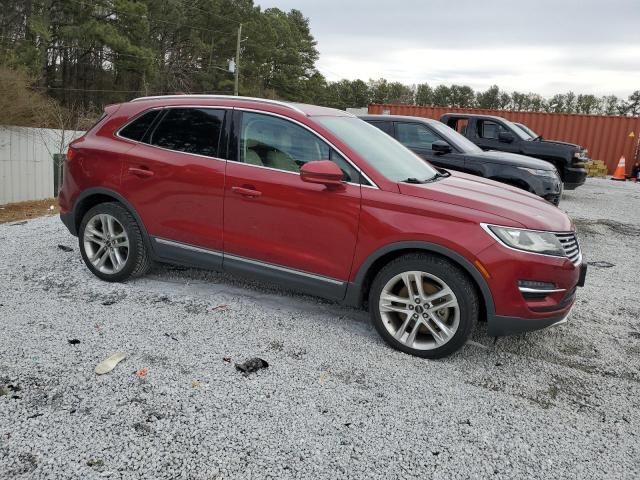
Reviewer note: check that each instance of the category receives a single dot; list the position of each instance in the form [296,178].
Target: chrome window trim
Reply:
[210,107]
[313,132]
[372,185]
[223,97]
[186,246]
[284,269]
[485,227]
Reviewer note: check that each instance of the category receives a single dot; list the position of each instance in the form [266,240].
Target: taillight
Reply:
[71,154]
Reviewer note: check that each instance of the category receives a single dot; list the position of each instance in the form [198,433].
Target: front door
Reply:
[175,180]
[419,138]
[488,132]
[279,227]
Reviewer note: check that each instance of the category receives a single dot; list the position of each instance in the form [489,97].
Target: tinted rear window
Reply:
[136,129]
[190,130]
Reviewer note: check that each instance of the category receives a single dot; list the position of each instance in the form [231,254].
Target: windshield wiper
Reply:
[439,174]
[412,180]
[534,139]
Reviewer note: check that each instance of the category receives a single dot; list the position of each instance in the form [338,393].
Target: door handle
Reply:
[140,172]
[246,192]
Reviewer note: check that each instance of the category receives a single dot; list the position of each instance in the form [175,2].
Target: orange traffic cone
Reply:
[619,174]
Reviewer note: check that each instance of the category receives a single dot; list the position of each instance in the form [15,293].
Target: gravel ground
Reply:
[335,402]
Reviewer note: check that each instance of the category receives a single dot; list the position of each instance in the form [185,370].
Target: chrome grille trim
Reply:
[570,245]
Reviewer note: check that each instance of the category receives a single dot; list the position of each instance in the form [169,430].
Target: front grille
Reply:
[570,245]
[553,198]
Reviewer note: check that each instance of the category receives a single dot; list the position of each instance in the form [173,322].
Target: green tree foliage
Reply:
[101,51]
[87,53]
[441,96]
[424,94]
[489,98]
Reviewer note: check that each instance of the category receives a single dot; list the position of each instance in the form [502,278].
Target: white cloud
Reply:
[545,47]
[541,70]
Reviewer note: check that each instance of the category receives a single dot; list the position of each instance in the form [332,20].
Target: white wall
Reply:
[26,161]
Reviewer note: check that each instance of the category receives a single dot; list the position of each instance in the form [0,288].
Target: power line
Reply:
[141,90]
[210,13]
[150,20]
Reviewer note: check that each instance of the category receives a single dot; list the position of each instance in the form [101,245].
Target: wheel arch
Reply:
[358,290]
[95,196]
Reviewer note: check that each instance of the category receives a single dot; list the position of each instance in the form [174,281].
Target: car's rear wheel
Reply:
[423,305]
[111,243]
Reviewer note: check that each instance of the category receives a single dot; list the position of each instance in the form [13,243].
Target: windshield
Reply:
[516,130]
[389,157]
[455,139]
[527,130]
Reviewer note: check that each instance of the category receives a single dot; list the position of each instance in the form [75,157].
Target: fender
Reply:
[354,293]
[75,214]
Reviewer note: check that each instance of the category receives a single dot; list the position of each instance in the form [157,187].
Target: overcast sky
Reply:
[543,46]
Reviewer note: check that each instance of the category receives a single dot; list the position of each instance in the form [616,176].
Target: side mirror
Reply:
[441,147]
[506,137]
[324,172]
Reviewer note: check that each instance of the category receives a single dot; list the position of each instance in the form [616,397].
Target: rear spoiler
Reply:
[108,111]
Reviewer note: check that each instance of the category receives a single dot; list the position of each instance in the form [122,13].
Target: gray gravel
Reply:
[335,402]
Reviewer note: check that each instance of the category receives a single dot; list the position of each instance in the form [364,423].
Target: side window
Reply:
[386,127]
[137,129]
[268,141]
[415,135]
[190,130]
[459,125]
[489,130]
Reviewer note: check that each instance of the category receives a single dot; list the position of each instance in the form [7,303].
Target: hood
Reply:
[556,142]
[468,191]
[512,159]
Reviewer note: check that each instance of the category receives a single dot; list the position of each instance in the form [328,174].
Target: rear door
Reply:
[174,177]
[279,227]
[419,137]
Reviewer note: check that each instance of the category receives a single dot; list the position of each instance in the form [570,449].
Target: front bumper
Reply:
[519,309]
[574,177]
[505,326]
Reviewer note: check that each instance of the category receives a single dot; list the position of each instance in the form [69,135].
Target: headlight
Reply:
[528,240]
[540,173]
[581,154]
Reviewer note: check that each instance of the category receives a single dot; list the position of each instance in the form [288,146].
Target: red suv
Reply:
[322,202]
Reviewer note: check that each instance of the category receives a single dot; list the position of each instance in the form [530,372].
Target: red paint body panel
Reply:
[515,206]
[508,266]
[183,199]
[272,216]
[300,225]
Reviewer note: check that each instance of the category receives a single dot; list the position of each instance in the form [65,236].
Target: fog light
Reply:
[534,290]
[534,285]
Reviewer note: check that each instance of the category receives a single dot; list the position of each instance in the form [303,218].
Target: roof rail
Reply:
[226,97]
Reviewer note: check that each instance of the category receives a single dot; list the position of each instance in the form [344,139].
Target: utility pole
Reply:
[235,88]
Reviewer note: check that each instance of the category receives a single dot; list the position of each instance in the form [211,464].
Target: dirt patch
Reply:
[13,212]
[591,227]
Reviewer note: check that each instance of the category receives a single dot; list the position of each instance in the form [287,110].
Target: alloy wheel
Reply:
[106,243]
[419,310]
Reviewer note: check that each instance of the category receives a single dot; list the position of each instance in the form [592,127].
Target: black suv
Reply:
[446,148]
[497,133]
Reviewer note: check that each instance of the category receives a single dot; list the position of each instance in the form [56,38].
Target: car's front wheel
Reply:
[111,243]
[423,305]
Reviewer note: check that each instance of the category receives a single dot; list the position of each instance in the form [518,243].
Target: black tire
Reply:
[462,287]
[138,261]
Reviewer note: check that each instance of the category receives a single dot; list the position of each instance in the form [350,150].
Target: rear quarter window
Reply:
[137,129]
